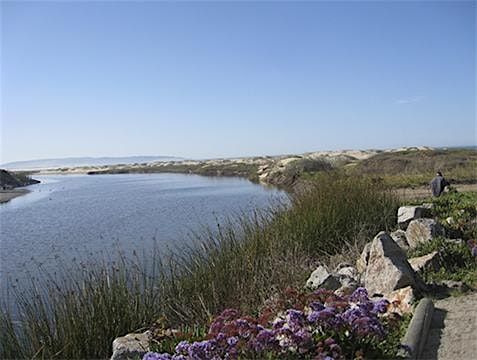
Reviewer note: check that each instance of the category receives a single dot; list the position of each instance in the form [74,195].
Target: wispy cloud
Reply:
[409,100]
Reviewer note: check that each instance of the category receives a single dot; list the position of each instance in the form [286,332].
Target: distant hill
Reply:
[83,161]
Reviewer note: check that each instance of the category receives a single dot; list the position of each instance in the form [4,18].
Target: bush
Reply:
[461,208]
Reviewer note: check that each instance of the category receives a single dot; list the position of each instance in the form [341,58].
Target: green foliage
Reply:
[462,208]
[238,265]
[417,168]
[455,261]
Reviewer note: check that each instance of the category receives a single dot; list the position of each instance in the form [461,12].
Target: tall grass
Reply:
[239,264]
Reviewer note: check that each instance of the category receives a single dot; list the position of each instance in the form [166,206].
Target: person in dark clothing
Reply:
[438,184]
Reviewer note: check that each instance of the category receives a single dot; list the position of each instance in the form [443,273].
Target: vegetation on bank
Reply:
[417,168]
[411,168]
[238,265]
[457,259]
[11,180]
[238,169]
[396,169]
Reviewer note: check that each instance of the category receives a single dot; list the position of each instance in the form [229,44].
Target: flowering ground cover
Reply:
[320,325]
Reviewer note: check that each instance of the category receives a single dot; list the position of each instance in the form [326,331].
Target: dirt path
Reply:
[453,333]
[424,192]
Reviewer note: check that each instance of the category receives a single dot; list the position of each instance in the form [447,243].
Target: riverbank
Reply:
[7,195]
[397,168]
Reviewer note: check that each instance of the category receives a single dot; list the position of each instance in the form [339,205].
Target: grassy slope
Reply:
[414,168]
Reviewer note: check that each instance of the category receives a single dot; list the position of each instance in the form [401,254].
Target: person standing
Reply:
[438,184]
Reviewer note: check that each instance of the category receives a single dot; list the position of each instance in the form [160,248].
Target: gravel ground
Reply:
[453,333]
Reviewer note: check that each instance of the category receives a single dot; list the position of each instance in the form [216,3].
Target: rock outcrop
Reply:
[425,263]
[408,213]
[387,268]
[321,278]
[399,236]
[131,346]
[423,230]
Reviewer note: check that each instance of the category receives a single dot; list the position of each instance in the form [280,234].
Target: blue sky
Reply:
[212,79]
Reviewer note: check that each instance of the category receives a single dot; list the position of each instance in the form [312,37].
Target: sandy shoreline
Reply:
[7,195]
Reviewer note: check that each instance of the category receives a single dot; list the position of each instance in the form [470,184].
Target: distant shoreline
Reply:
[7,195]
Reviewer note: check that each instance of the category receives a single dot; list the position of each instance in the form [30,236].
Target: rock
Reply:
[348,270]
[426,262]
[455,285]
[408,213]
[401,300]
[387,269]
[450,220]
[399,236]
[348,285]
[362,262]
[131,346]
[422,230]
[321,278]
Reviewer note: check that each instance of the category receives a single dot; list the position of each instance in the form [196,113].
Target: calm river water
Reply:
[89,218]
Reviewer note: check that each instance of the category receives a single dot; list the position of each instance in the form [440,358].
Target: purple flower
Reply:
[321,316]
[295,318]
[317,306]
[232,341]
[179,357]
[359,295]
[265,340]
[156,356]
[182,347]
[381,306]
[230,314]
[474,251]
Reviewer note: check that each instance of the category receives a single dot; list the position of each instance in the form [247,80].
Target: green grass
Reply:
[462,208]
[417,168]
[239,265]
[455,261]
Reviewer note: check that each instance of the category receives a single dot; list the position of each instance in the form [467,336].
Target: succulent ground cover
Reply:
[317,325]
[457,212]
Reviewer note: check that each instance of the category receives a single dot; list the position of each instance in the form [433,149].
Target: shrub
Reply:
[461,208]
[456,261]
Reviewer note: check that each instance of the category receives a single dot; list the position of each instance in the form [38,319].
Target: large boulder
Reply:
[321,278]
[131,346]
[426,262]
[387,267]
[423,230]
[362,262]
[408,213]
[399,236]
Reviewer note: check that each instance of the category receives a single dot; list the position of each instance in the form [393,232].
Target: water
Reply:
[70,218]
